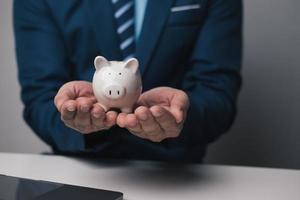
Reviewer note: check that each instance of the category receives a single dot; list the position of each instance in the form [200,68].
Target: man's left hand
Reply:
[160,114]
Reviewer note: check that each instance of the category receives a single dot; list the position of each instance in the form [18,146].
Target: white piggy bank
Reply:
[117,84]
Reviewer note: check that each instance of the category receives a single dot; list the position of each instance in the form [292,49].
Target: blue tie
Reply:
[124,15]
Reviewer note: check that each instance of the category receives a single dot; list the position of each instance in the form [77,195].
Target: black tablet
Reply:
[13,188]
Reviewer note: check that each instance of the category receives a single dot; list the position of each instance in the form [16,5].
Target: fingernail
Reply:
[71,108]
[85,108]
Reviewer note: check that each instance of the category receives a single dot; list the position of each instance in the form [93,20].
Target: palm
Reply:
[82,89]
[157,96]
[79,108]
[159,114]
[169,98]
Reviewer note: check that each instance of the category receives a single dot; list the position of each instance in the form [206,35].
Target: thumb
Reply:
[179,106]
[64,94]
[178,115]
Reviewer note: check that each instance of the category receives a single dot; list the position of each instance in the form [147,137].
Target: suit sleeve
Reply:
[213,81]
[43,68]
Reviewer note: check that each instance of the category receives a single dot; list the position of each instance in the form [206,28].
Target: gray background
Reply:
[267,129]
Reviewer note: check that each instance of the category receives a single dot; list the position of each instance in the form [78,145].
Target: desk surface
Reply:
[150,180]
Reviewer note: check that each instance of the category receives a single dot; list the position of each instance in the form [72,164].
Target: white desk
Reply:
[148,180]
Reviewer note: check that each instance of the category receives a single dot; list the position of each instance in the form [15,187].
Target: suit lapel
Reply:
[103,22]
[156,14]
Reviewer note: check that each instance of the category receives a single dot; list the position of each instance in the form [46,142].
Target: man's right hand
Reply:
[79,109]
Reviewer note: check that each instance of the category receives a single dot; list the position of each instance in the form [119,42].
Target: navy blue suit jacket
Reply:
[196,50]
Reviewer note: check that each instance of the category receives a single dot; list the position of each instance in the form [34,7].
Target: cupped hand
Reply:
[79,109]
[160,114]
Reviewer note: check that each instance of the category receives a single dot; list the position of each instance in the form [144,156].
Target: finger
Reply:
[111,118]
[178,114]
[132,123]
[98,115]
[180,100]
[68,110]
[121,120]
[83,119]
[64,94]
[179,106]
[166,120]
[147,121]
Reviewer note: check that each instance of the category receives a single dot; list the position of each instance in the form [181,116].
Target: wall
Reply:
[267,130]
[15,136]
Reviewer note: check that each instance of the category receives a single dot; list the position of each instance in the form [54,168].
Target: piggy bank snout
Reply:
[114,91]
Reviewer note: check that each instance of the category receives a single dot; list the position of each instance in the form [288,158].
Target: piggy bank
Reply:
[117,84]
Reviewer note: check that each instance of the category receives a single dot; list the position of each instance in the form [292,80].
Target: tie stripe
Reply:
[124,15]
[124,26]
[123,9]
[126,43]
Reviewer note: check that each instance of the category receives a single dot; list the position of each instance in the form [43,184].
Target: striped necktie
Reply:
[124,15]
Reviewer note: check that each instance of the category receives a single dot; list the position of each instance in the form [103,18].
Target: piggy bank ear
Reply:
[100,62]
[132,64]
